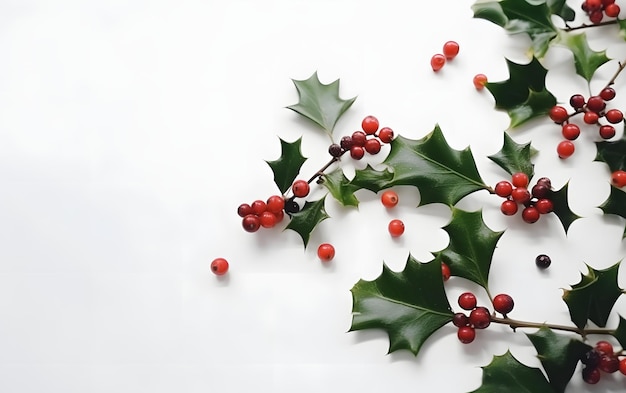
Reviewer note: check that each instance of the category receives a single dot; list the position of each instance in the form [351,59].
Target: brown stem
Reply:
[514,324]
[322,169]
[584,26]
[621,67]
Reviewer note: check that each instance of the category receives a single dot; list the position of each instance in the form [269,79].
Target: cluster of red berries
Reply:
[593,110]
[450,50]
[390,199]
[479,317]
[596,9]
[369,140]
[601,358]
[260,213]
[536,201]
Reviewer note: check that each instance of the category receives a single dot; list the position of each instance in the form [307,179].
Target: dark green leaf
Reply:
[538,104]
[612,153]
[622,28]
[409,305]
[320,103]
[561,207]
[340,187]
[471,246]
[593,297]
[586,60]
[505,374]
[306,220]
[514,157]
[615,203]
[287,167]
[620,332]
[559,356]
[560,8]
[371,179]
[441,173]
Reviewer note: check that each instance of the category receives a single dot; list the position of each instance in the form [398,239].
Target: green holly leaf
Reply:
[520,16]
[372,179]
[515,157]
[471,246]
[441,173]
[586,60]
[304,221]
[320,103]
[622,28]
[524,95]
[409,305]
[561,207]
[620,332]
[612,153]
[340,187]
[287,167]
[505,374]
[559,356]
[593,297]
[615,204]
[560,8]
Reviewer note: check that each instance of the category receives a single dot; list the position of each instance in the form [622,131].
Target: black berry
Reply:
[543,261]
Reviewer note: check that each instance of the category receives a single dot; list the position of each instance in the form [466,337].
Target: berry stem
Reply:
[622,65]
[514,324]
[584,25]
[320,172]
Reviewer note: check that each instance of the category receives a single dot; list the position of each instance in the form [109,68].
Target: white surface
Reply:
[131,131]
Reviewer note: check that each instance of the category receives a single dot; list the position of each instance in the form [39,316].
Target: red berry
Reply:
[251,223]
[358,138]
[606,131]
[590,117]
[503,188]
[614,116]
[565,149]
[558,114]
[346,142]
[450,50]
[219,266]
[467,301]
[577,101]
[519,179]
[521,195]
[385,135]
[300,188]
[357,152]
[593,4]
[591,375]
[503,303]
[570,131]
[437,62]
[275,204]
[445,271]
[596,104]
[530,214]
[607,94]
[508,207]
[459,319]
[618,178]
[544,206]
[279,216]
[335,150]
[596,17]
[540,190]
[612,10]
[267,219]
[370,125]
[372,146]
[466,334]
[389,198]
[480,80]
[480,318]
[326,252]
[396,228]
[609,363]
[622,366]
[546,182]
[604,347]
[244,209]
[258,207]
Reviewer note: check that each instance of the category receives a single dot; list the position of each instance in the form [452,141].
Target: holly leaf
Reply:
[524,95]
[409,305]
[304,221]
[622,28]
[505,374]
[593,297]
[620,332]
[372,179]
[561,207]
[559,356]
[515,157]
[586,60]
[441,173]
[612,153]
[471,246]
[615,204]
[340,187]
[287,167]
[560,8]
[319,102]
[520,16]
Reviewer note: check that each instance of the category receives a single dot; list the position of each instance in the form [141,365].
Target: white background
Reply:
[130,131]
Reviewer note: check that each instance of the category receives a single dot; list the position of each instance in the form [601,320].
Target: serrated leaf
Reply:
[505,374]
[615,203]
[612,153]
[559,356]
[586,60]
[319,102]
[620,332]
[409,305]
[441,173]
[622,28]
[515,157]
[593,297]
[340,188]
[287,167]
[561,207]
[304,221]
[524,95]
[560,8]
[520,16]
[471,246]
[372,179]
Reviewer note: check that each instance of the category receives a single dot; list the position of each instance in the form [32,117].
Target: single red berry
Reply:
[251,223]
[558,114]
[590,117]
[459,319]
[450,50]
[267,219]
[389,198]
[346,142]
[244,209]
[508,208]
[279,216]
[612,10]
[258,207]
[275,203]
[335,150]
[372,146]
[445,271]
[618,178]
[540,191]
[544,206]
[480,318]
[503,303]
[604,347]
[396,228]
[219,266]
[591,375]
[607,94]
[503,188]
[385,135]
[596,17]
[480,80]
[614,116]
[467,301]
[546,182]
[519,179]
[607,2]
[596,104]
[358,138]
[565,149]
[543,261]
[530,214]
[606,131]
[521,195]
[300,188]
[622,366]
[577,101]
[326,252]
[609,363]
[357,152]
[593,4]
[437,62]
[570,131]
[466,334]
[370,125]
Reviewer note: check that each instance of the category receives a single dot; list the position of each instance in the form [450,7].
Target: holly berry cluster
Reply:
[596,9]
[536,201]
[601,358]
[262,214]
[479,316]
[369,140]
[593,109]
